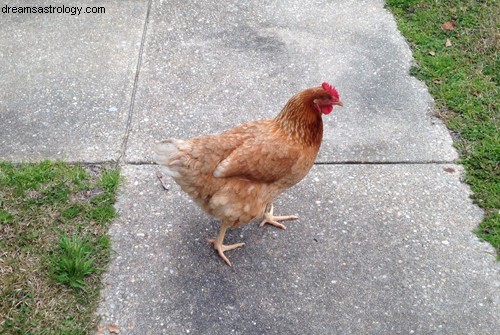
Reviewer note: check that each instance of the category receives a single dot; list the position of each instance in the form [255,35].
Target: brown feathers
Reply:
[235,175]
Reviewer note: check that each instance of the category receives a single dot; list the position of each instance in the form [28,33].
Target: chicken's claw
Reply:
[274,220]
[222,247]
[218,242]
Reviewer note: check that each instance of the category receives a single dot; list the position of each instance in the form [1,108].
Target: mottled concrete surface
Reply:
[384,242]
[66,82]
[377,249]
[213,65]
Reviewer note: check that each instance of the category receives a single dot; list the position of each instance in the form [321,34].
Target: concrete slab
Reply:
[378,249]
[66,82]
[209,66]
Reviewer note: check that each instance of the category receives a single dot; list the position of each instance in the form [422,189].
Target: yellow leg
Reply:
[273,220]
[219,240]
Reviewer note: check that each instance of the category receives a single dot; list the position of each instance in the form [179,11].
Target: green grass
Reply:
[73,261]
[464,80]
[53,245]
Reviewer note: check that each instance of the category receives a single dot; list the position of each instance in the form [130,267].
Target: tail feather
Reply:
[165,150]
[166,153]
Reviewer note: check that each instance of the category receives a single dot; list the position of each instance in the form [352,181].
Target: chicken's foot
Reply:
[219,240]
[274,220]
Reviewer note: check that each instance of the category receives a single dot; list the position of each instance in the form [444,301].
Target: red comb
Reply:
[330,89]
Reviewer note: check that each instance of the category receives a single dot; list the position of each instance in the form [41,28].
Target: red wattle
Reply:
[326,109]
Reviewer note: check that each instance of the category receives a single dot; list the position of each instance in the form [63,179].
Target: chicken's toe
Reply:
[269,218]
[221,248]
[273,220]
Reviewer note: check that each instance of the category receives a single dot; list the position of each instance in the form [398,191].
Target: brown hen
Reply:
[236,175]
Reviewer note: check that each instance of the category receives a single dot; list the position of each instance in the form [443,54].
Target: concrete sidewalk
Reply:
[384,243]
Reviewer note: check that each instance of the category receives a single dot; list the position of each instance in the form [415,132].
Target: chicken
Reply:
[236,175]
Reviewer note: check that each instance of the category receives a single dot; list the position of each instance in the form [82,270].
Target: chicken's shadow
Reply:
[214,298]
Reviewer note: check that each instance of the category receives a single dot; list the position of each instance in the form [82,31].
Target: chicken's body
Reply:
[236,175]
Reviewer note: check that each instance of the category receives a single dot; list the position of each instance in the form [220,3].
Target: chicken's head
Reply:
[326,101]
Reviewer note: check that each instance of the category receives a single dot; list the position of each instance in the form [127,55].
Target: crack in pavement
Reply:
[123,148]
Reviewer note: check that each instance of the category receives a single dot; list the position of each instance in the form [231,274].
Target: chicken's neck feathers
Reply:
[300,122]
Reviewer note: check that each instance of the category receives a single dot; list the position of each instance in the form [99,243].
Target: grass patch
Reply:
[53,245]
[73,261]
[456,45]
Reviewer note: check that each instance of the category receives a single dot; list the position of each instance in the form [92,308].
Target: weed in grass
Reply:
[72,262]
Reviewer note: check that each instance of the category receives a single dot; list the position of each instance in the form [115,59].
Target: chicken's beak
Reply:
[338,103]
